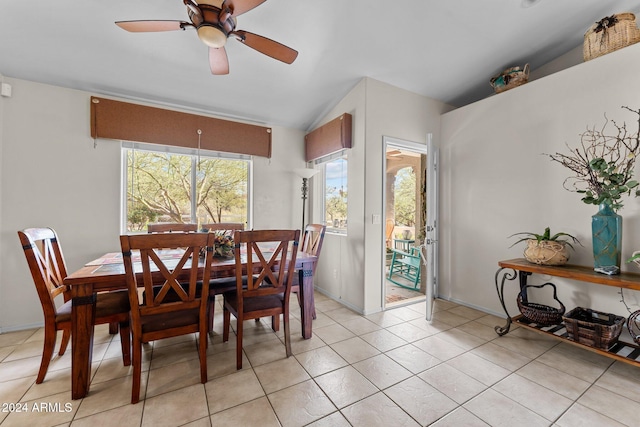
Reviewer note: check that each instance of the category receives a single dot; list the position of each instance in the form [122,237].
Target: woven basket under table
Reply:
[539,313]
[593,328]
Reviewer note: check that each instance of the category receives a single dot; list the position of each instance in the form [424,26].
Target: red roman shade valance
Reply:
[328,138]
[132,122]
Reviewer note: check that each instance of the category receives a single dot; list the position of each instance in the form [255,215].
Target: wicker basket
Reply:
[593,328]
[538,313]
[610,33]
[633,325]
[510,78]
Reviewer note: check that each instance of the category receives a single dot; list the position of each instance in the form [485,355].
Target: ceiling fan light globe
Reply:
[212,36]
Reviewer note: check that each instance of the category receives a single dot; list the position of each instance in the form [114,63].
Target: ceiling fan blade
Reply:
[218,61]
[152,26]
[267,46]
[241,6]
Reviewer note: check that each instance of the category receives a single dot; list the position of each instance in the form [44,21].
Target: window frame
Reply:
[125,146]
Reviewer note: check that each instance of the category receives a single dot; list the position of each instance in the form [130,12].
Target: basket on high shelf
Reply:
[539,313]
[593,328]
[610,33]
[510,78]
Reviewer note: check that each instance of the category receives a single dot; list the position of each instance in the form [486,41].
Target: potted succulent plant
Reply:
[546,249]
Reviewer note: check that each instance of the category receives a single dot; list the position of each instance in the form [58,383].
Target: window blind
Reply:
[125,121]
[329,138]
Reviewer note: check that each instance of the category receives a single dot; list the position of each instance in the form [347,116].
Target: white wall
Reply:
[51,175]
[339,273]
[491,172]
[403,115]
[2,101]
[496,182]
[276,188]
[378,110]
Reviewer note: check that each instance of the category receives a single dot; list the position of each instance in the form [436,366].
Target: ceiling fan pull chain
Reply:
[199,136]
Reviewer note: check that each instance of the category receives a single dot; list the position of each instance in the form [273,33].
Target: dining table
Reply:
[106,273]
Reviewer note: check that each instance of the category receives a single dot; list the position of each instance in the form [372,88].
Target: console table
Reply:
[521,269]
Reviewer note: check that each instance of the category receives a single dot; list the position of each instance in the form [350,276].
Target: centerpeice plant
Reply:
[603,164]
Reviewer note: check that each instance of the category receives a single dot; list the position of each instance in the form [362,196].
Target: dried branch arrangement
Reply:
[603,164]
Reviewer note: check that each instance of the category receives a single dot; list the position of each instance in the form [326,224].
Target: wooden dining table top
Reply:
[107,272]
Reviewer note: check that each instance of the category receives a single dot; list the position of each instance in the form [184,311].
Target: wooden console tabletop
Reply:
[576,272]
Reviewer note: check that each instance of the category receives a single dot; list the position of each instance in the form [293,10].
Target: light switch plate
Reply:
[5,90]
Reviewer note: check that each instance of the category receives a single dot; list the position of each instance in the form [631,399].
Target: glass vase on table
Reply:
[606,229]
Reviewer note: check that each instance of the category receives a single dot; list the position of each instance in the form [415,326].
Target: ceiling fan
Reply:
[215,21]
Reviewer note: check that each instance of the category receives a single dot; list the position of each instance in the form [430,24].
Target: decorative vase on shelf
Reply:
[606,229]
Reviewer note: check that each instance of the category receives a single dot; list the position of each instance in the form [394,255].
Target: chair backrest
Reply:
[177,274]
[312,242]
[47,266]
[171,227]
[223,226]
[267,251]
[312,239]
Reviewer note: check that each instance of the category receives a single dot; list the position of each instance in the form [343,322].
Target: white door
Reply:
[400,153]
[431,241]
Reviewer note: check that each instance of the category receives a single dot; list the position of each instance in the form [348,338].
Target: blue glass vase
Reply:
[606,230]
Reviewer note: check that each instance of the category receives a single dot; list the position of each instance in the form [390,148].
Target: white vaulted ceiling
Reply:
[444,49]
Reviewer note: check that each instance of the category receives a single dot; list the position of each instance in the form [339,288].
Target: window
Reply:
[335,193]
[169,184]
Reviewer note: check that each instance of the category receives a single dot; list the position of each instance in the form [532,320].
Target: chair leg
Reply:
[212,310]
[299,299]
[287,336]
[50,335]
[203,352]
[275,323]
[137,369]
[113,328]
[66,335]
[226,320]
[239,344]
[125,343]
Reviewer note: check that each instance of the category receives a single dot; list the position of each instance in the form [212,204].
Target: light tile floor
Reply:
[386,369]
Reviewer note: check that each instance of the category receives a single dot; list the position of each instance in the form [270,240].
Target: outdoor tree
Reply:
[159,186]
[336,205]
[405,197]
[221,188]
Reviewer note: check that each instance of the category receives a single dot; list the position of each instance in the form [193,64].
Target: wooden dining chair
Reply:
[164,316]
[311,244]
[268,257]
[171,227]
[218,286]
[48,270]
